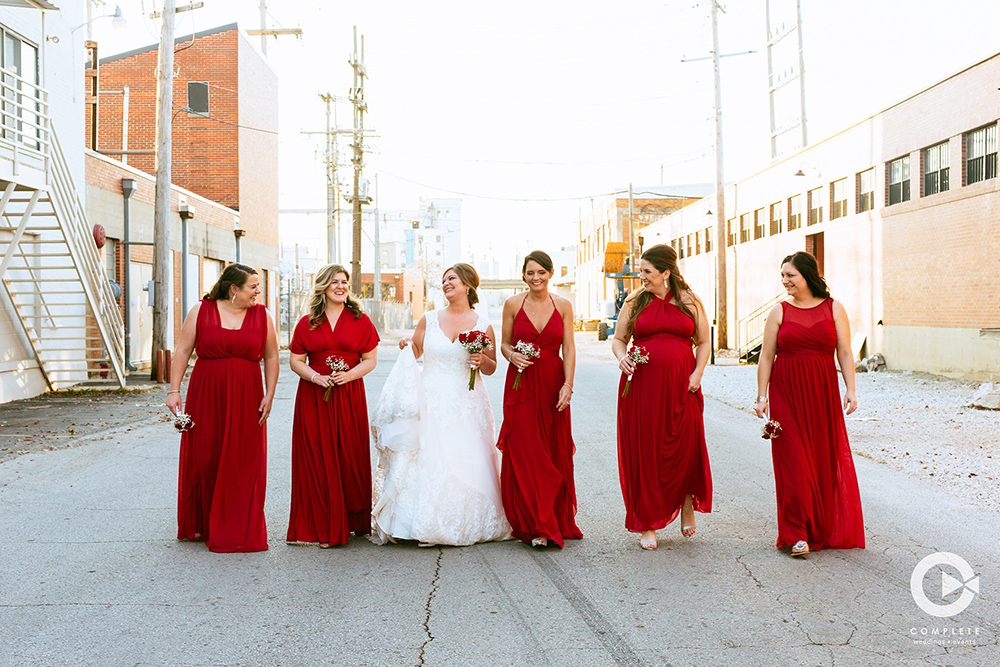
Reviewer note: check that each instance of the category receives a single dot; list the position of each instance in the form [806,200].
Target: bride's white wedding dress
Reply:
[437,479]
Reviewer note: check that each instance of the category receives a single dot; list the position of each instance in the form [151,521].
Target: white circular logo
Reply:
[949,584]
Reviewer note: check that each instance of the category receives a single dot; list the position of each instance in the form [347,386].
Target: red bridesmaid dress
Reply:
[662,457]
[331,457]
[817,488]
[223,460]
[536,473]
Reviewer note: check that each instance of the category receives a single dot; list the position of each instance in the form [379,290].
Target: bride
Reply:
[437,479]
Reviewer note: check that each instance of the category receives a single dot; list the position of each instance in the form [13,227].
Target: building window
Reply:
[730,232]
[981,154]
[689,245]
[899,180]
[866,190]
[776,218]
[680,248]
[815,206]
[794,212]
[744,228]
[936,162]
[708,239]
[758,224]
[838,199]
[697,243]
[198,97]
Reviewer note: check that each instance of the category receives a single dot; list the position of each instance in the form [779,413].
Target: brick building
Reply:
[609,223]
[901,212]
[224,168]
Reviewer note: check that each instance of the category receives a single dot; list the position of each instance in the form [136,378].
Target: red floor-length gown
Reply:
[817,488]
[331,456]
[223,460]
[662,455]
[536,473]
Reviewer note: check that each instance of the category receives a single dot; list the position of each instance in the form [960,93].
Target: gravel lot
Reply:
[915,422]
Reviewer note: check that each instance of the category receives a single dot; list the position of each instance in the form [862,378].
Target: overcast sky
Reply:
[504,104]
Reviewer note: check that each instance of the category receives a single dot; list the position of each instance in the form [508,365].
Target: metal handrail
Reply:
[750,329]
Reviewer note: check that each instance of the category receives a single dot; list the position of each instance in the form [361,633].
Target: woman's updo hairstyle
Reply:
[538,256]
[233,275]
[664,259]
[467,274]
[806,264]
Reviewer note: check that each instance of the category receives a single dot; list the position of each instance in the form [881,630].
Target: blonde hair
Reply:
[317,300]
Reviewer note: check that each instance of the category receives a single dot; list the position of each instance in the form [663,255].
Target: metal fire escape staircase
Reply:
[51,270]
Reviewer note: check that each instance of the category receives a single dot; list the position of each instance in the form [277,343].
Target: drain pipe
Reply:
[128,187]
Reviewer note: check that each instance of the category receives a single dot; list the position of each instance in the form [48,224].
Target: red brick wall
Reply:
[205,152]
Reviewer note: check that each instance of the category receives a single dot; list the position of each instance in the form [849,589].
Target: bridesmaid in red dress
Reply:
[536,476]
[819,505]
[223,459]
[662,457]
[331,459]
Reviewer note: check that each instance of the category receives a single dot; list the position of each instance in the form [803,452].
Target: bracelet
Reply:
[173,391]
[314,376]
[762,399]
[567,384]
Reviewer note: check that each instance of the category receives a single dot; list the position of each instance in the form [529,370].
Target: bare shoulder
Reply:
[838,308]
[563,304]
[689,298]
[514,301]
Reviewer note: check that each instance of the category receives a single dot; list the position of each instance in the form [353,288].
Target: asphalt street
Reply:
[90,572]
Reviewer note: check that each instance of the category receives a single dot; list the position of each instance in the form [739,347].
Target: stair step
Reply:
[42,254]
[41,268]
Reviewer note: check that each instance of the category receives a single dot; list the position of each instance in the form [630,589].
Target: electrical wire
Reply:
[219,120]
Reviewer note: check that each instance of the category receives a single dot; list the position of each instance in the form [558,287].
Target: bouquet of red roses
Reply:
[770,430]
[474,342]
[637,355]
[336,365]
[183,422]
[527,349]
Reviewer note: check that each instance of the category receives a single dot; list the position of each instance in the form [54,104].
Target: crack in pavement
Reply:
[598,624]
[427,608]
[739,559]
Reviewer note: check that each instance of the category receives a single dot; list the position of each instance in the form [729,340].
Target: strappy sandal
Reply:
[539,543]
[688,531]
[800,548]
[648,545]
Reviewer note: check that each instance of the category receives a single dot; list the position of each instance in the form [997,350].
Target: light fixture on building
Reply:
[807,170]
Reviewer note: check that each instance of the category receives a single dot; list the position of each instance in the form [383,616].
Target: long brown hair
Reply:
[317,300]
[540,257]
[467,274]
[807,266]
[663,258]
[233,275]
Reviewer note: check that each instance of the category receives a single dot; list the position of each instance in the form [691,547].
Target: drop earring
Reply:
[233,301]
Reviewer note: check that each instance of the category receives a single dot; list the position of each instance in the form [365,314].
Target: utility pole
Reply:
[332,203]
[721,294]
[377,274]
[331,159]
[631,231]
[162,259]
[721,298]
[780,127]
[273,32]
[357,62]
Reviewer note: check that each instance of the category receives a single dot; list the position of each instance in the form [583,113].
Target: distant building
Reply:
[224,169]
[901,213]
[609,223]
